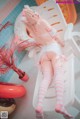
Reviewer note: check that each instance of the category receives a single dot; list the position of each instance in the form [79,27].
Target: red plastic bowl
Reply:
[9,90]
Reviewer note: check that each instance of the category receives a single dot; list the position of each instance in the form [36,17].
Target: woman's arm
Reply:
[52,31]
[59,41]
[46,25]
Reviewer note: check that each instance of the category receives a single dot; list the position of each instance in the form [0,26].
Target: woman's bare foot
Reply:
[61,109]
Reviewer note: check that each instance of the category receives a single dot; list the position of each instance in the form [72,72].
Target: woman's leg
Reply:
[59,86]
[47,72]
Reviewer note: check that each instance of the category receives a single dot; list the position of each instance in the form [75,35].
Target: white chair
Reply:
[52,13]
[74,39]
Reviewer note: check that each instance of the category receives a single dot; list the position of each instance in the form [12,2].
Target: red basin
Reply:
[9,90]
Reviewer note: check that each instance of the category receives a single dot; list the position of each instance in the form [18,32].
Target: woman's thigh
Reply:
[46,65]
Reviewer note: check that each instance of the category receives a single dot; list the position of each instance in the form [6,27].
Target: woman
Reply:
[51,59]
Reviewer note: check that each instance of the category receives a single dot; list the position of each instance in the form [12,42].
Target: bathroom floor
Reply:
[25,108]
